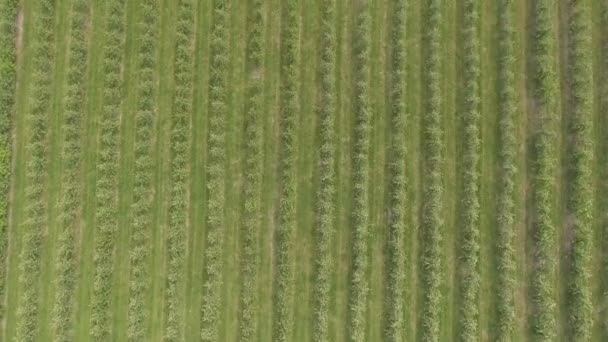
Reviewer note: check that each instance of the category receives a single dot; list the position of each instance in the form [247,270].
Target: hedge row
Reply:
[36,173]
[361,142]
[72,187]
[469,278]
[143,191]
[507,139]
[396,258]
[8,80]
[289,107]
[216,157]
[180,148]
[432,211]
[543,174]
[325,218]
[106,194]
[250,224]
[580,199]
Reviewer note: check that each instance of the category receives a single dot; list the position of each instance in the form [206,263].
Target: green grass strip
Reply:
[72,188]
[180,148]
[469,278]
[397,227]
[8,81]
[580,199]
[107,170]
[143,190]
[218,111]
[252,188]
[36,175]
[507,111]
[325,211]
[357,301]
[543,294]
[288,149]
[432,140]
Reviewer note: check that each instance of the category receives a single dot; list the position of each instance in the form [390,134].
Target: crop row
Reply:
[180,147]
[8,80]
[143,195]
[218,111]
[543,179]
[36,174]
[250,225]
[507,110]
[361,142]
[65,263]
[432,137]
[289,107]
[107,170]
[469,248]
[325,218]
[397,173]
[580,199]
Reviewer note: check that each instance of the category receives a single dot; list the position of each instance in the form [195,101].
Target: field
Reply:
[291,170]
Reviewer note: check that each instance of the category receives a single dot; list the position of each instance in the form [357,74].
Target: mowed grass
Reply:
[290,170]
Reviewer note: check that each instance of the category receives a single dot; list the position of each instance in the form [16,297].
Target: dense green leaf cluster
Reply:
[216,158]
[143,192]
[507,140]
[432,211]
[250,225]
[106,191]
[361,144]
[8,80]
[36,173]
[395,277]
[72,187]
[325,218]
[180,148]
[468,272]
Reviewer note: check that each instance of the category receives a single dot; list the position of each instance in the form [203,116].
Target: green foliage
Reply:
[8,80]
[325,219]
[397,179]
[580,199]
[36,174]
[469,248]
[507,110]
[65,263]
[361,143]
[543,175]
[216,157]
[180,147]
[107,170]
[432,139]
[250,224]
[143,193]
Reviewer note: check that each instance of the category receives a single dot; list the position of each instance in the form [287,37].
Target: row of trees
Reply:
[361,141]
[325,218]
[36,173]
[507,140]
[288,149]
[72,187]
[180,151]
[580,199]
[396,259]
[251,219]
[432,139]
[543,173]
[143,193]
[8,80]
[216,157]
[106,194]
[469,278]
